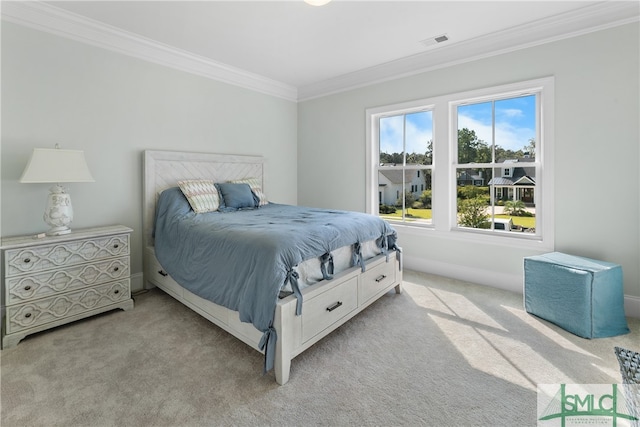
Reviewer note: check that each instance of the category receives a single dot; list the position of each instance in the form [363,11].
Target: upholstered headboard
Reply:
[163,169]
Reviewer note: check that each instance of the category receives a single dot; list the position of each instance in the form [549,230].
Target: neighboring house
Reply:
[516,182]
[390,184]
[471,177]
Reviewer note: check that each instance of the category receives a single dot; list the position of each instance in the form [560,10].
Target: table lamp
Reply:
[48,165]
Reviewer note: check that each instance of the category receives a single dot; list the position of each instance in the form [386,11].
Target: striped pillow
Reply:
[256,189]
[201,194]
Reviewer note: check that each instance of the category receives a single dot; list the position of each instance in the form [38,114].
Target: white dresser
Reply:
[50,281]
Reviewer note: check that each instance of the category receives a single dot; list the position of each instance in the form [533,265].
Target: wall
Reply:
[55,90]
[596,154]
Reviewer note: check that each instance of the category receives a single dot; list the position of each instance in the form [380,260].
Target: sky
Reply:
[419,130]
[514,119]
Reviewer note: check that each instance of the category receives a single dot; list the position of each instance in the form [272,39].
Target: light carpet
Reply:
[442,353]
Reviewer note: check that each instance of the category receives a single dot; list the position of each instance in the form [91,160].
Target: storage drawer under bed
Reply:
[377,277]
[326,308]
[156,275]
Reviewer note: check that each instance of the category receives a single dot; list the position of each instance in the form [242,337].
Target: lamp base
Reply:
[58,231]
[59,212]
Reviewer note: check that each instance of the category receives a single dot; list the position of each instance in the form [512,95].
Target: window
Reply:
[473,165]
[404,164]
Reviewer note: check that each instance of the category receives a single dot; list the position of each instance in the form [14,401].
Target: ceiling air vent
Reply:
[435,40]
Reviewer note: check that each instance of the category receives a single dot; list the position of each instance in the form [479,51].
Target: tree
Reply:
[515,208]
[428,155]
[472,213]
[531,147]
[395,158]
[472,192]
[408,199]
[425,199]
[471,149]
[502,154]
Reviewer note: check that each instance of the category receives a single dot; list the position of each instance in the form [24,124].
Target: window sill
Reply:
[503,239]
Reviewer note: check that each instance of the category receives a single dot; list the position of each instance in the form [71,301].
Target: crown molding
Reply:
[587,20]
[44,17]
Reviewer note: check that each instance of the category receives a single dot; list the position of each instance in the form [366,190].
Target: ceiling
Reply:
[346,43]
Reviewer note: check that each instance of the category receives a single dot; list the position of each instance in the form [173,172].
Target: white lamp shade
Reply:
[56,165]
[317,2]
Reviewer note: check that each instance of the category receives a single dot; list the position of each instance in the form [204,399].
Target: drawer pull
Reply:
[162,273]
[27,288]
[117,291]
[27,260]
[334,306]
[115,246]
[116,269]
[381,278]
[27,315]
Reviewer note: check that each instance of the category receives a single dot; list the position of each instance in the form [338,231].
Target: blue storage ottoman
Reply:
[581,295]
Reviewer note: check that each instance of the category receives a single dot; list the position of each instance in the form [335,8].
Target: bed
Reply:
[309,296]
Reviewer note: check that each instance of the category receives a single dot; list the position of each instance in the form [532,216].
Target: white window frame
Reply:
[444,164]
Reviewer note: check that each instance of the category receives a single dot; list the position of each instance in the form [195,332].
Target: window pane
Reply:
[391,140]
[389,187]
[514,202]
[418,202]
[473,198]
[515,128]
[475,133]
[410,133]
[410,202]
[511,209]
[419,138]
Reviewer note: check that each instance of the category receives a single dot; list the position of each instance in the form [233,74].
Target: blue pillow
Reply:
[236,196]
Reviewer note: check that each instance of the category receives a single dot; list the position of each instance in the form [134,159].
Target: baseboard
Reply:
[509,282]
[632,306]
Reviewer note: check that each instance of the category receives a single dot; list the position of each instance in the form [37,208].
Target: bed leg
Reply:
[398,287]
[283,323]
[282,367]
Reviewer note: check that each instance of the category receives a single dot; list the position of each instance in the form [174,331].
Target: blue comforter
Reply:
[242,259]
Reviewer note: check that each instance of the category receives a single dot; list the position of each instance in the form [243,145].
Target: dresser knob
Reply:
[116,269]
[27,288]
[27,315]
[116,246]
[116,291]
[27,260]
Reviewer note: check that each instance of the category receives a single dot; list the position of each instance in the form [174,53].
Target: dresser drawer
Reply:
[376,278]
[45,257]
[326,308]
[40,285]
[46,310]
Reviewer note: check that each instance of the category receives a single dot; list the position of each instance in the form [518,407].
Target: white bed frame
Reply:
[327,304]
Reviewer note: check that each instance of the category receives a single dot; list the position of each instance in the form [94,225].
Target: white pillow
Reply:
[201,194]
